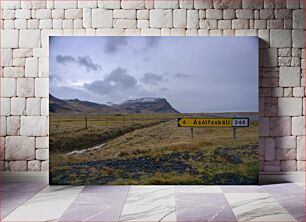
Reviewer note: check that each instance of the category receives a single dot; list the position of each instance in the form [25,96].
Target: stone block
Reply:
[289,106]
[58,13]
[192,19]
[203,4]
[160,18]
[13,72]
[269,148]
[270,57]
[285,142]
[301,148]
[33,106]
[18,166]
[10,5]
[34,165]
[13,125]
[186,4]
[22,53]
[2,128]
[124,14]
[33,126]
[19,148]
[5,108]
[73,13]
[245,14]
[298,19]
[179,18]
[227,4]
[29,38]
[280,38]
[285,154]
[252,4]
[299,92]
[31,67]
[143,14]
[288,165]
[66,4]
[109,4]
[166,4]
[45,165]
[133,4]
[88,4]
[301,166]
[150,32]
[298,38]
[41,87]
[102,18]
[289,76]
[9,38]
[125,23]
[142,24]
[42,154]
[214,14]
[42,142]
[6,57]
[43,67]
[44,107]
[224,24]
[240,24]
[8,87]
[293,4]
[264,126]
[18,106]
[298,125]
[280,126]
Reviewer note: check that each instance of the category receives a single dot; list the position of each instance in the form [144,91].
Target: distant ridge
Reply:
[139,105]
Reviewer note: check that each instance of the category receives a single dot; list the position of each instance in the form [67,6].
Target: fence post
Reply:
[85,122]
[191,130]
[107,121]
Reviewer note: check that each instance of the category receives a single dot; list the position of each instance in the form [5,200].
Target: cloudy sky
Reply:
[195,74]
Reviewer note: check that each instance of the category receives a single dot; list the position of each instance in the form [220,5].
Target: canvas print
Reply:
[153,110]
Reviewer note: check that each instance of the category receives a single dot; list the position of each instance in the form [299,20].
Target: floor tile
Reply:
[257,207]
[283,188]
[6,210]
[298,212]
[22,187]
[97,203]
[203,207]
[289,199]
[149,203]
[47,205]
[198,189]
[242,189]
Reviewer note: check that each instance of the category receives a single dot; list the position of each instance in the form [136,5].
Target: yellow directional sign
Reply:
[204,122]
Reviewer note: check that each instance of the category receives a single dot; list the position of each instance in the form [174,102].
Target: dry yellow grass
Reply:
[162,139]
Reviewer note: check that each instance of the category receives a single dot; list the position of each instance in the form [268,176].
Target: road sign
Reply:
[204,122]
[212,122]
[240,122]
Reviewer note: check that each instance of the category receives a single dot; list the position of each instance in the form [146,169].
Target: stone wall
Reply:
[26,26]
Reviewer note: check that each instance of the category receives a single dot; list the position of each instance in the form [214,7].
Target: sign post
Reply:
[234,123]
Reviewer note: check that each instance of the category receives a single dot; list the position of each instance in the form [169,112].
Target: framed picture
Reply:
[153,110]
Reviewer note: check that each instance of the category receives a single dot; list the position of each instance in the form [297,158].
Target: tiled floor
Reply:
[39,202]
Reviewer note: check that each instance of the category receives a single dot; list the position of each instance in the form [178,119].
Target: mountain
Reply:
[147,105]
[140,105]
[75,106]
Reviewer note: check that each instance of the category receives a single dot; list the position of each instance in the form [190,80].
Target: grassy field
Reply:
[149,149]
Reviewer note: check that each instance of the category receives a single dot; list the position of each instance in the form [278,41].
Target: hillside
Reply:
[140,105]
[164,154]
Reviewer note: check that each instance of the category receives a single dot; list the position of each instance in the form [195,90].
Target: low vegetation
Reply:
[150,149]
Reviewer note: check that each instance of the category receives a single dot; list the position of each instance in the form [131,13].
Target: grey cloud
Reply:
[152,78]
[181,75]
[116,83]
[84,61]
[164,89]
[120,77]
[151,41]
[114,44]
